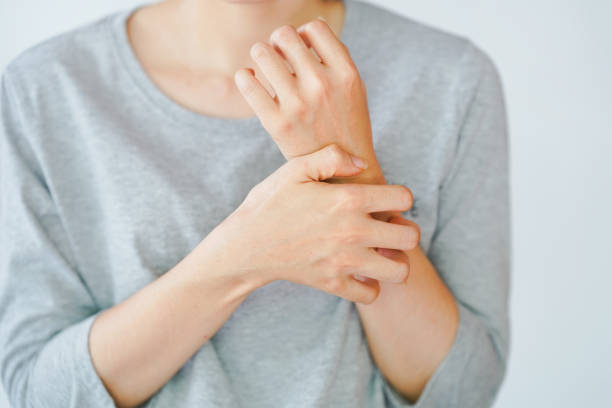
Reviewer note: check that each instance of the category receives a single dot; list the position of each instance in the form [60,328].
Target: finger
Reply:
[389,253]
[380,234]
[376,266]
[400,220]
[255,94]
[385,215]
[330,161]
[354,290]
[361,278]
[318,35]
[376,198]
[274,67]
[395,255]
[288,42]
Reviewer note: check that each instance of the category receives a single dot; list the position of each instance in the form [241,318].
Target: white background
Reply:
[555,57]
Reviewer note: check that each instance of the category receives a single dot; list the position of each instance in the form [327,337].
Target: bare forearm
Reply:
[411,326]
[139,344]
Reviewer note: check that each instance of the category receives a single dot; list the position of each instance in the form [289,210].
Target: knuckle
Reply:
[283,126]
[335,153]
[350,236]
[319,86]
[340,263]
[349,76]
[297,108]
[333,284]
[349,198]
[300,110]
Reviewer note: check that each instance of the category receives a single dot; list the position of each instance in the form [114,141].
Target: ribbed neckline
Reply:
[174,110]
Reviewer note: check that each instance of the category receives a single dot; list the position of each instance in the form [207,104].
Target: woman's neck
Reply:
[215,35]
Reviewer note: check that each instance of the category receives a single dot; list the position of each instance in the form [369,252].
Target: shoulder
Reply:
[406,45]
[73,53]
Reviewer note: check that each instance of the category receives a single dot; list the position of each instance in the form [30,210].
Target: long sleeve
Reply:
[470,249]
[46,310]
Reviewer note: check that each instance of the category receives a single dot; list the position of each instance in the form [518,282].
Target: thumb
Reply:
[330,161]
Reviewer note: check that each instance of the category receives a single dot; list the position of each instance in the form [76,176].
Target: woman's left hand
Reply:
[319,99]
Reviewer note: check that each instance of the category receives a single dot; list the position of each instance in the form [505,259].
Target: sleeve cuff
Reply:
[94,387]
[442,388]
[65,375]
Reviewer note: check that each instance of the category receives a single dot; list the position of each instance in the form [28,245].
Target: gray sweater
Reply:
[106,184]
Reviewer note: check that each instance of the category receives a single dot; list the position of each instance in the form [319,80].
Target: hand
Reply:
[318,99]
[293,226]
[394,254]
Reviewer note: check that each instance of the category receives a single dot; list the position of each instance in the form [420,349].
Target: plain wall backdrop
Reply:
[555,58]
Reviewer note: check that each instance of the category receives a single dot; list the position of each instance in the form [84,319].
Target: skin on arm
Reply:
[411,324]
[292,226]
[139,344]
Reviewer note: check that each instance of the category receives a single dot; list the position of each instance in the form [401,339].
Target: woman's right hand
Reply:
[293,226]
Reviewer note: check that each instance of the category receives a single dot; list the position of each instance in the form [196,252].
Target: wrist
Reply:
[214,260]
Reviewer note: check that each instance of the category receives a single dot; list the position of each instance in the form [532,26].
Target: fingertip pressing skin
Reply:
[411,199]
[399,257]
[399,219]
[363,290]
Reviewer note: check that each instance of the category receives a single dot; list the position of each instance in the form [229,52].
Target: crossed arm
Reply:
[411,327]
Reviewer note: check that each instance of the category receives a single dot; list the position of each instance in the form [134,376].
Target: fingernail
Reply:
[359,162]
[322,18]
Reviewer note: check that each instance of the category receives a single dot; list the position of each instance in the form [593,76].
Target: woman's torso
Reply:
[140,181]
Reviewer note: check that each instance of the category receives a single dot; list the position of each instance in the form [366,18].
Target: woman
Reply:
[158,250]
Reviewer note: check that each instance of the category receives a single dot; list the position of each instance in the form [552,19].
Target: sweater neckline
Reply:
[169,107]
